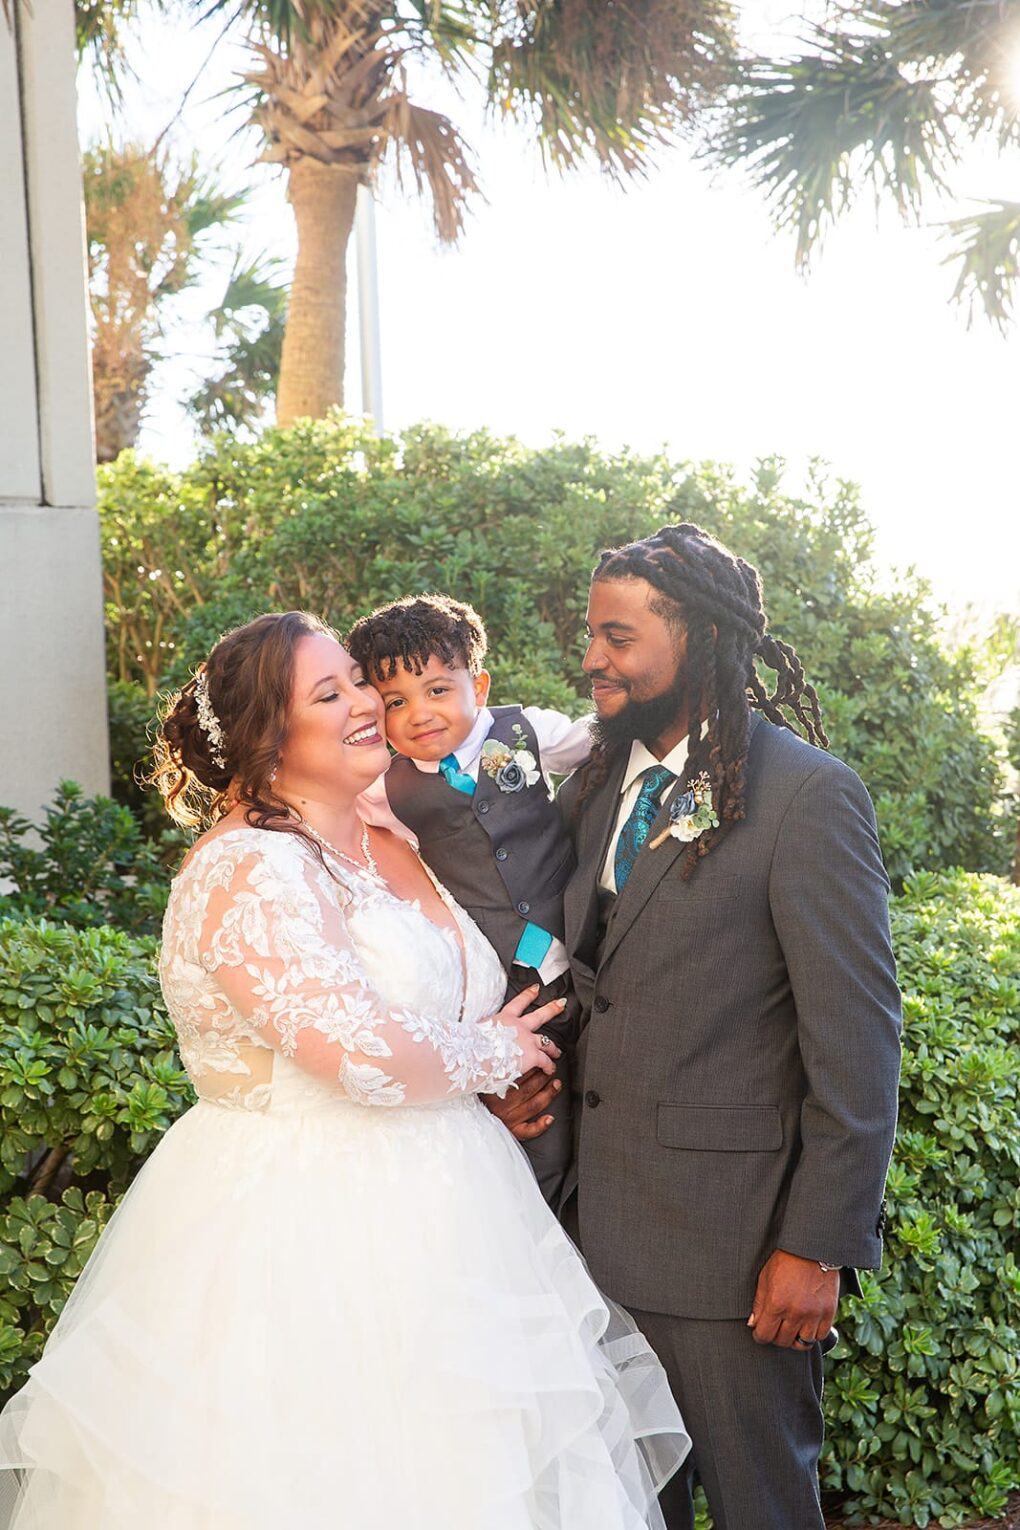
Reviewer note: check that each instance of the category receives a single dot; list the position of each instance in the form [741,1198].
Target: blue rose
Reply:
[683,807]
[510,778]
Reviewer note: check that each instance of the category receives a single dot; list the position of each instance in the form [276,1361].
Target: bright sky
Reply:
[667,315]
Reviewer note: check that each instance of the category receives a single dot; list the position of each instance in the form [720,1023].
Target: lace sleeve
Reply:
[275,939]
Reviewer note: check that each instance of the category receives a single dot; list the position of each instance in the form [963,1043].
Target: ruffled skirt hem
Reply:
[356,1319]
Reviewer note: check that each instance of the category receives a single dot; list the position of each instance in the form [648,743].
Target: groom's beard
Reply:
[644,720]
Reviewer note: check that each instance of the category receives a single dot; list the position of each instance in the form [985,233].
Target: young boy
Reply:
[470,782]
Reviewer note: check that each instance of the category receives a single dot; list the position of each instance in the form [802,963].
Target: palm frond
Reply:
[972,45]
[254,284]
[988,252]
[99,37]
[815,129]
[438,158]
[283,19]
[609,83]
[249,322]
[204,204]
[446,31]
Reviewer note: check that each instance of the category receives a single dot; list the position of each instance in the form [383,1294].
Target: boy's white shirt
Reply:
[564,744]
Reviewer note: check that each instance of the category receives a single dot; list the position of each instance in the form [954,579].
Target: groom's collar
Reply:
[642,759]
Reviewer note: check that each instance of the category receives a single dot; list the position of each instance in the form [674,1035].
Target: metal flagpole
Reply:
[368,309]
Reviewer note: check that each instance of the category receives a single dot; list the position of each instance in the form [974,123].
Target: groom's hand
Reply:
[794,1303]
[522,1110]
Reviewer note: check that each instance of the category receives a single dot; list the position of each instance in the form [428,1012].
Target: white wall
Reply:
[52,686]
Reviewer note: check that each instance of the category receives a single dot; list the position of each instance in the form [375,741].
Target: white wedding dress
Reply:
[333,1298]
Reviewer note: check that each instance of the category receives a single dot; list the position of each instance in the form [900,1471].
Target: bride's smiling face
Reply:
[335,732]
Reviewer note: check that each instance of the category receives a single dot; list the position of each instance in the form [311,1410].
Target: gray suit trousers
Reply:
[754,1414]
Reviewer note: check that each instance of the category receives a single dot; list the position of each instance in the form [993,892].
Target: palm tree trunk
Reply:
[120,371]
[324,198]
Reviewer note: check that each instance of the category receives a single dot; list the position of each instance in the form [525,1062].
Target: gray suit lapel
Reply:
[581,901]
[649,869]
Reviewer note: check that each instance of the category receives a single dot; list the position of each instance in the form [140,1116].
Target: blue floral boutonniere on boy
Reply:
[511,766]
[690,814]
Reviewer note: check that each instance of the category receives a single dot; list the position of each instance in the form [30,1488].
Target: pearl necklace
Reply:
[370,863]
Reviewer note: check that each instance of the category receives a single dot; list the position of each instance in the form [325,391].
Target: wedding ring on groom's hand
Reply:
[800,1339]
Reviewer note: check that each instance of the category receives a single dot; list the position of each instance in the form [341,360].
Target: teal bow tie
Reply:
[639,824]
[455,777]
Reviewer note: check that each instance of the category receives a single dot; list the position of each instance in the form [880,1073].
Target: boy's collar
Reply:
[468,751]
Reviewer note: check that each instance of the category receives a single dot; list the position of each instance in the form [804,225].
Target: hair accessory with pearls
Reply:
[209,722]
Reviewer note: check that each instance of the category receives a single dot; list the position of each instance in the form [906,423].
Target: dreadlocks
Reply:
[412,631]
[699,585]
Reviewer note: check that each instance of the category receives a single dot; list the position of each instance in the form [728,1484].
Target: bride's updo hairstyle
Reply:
[220,737]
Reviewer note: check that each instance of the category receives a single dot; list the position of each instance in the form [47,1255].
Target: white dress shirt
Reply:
[563,744]
[641,759]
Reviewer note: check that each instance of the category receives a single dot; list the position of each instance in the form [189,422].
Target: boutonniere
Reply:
[690,814]
[511,766]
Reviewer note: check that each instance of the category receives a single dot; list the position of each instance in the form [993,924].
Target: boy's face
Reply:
[430,715]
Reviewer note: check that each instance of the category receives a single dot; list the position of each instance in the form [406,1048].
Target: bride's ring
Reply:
[543,1040]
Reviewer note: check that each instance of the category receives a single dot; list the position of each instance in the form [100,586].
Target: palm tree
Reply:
[145,220]
[330,93]
[881,97]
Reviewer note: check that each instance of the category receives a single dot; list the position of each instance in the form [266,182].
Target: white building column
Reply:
[52,670]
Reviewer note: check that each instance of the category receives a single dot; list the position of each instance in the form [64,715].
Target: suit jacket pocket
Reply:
[720,1128]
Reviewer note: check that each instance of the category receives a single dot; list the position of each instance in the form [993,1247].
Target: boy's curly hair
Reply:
[413,631]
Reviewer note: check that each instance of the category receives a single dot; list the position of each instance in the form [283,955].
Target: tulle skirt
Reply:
[338,1319]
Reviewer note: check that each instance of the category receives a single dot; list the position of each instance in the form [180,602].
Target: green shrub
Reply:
[924,1404]
[43,1249]
[89,1081]
[131,714]
[87,864]
[329,517]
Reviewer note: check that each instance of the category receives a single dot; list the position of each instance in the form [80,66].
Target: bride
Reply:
[333,1297]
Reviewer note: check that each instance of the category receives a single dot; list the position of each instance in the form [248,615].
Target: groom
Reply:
[738,1059]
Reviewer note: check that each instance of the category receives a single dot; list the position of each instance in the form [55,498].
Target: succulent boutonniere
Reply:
[511,766]
[690,814]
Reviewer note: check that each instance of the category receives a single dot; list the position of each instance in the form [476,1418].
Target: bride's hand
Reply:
[538,1051]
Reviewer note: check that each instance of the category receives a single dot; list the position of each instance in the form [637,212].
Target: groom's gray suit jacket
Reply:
[737,1067]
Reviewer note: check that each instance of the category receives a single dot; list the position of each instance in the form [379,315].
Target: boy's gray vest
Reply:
[505,856]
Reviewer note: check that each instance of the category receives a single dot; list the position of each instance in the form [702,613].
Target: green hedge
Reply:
[329,517]
[923,1397]
[87,863]
[89,1081]
[924,1404]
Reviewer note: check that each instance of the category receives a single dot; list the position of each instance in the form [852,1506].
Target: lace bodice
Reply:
[270,965]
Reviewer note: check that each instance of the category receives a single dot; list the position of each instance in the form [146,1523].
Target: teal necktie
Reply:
[639,824]
[455,777]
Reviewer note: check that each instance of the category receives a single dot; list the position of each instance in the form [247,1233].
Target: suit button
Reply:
[524,908]
[592,1098]
[502,853]
[601,1004]
[483,807]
